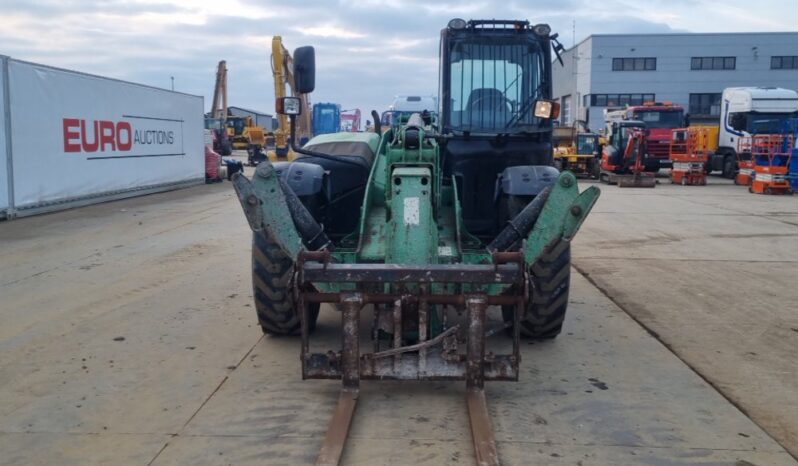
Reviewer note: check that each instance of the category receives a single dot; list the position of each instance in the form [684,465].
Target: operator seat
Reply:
[487,99]
[486,108]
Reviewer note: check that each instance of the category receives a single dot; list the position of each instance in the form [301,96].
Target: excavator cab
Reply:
[618,140]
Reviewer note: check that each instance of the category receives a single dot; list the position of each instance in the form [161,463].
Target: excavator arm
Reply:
[282,71]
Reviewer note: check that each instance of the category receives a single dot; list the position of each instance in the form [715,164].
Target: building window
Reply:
[705,104]
[565,114]
[713,63]
[784,63]
[619,100]
[634,64]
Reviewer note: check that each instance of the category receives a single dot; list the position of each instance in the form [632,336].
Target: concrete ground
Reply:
[128,336]
[713,271]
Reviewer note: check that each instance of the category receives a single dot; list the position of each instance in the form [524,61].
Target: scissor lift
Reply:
[689,152]
[771,155]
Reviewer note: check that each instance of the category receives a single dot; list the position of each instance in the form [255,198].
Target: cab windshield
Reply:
[660,119]
[586,144]
[623,136]
[493,85]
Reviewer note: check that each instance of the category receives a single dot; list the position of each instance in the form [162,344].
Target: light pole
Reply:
[173,82]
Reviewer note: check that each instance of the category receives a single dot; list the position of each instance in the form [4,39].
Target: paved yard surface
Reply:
[714,272]
[128,337]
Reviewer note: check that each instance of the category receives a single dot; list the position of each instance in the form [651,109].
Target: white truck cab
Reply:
[740,108]
[405,105]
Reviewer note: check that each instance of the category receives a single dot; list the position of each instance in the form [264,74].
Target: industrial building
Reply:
[264,120]
[688,69]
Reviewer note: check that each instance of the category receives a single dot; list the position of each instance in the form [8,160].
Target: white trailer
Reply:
[740,108]
[71,138]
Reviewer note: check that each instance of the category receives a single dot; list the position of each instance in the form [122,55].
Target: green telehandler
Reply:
[424,225]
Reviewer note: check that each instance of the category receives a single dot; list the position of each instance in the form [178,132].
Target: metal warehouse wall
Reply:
[5,153]
[77,138]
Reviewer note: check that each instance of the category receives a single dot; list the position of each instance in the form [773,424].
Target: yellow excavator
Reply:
[216,119]
[283,72]
[232,132]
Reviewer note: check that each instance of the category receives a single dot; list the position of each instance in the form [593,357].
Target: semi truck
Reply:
[661,118]
[741,108]
[405,105]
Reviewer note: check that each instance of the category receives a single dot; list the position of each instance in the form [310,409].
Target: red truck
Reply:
[660,118]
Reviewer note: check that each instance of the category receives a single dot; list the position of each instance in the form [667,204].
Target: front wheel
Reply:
[549,281]
[729,167]
[271,279]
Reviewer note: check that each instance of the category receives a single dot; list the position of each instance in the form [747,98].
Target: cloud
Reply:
[366,50]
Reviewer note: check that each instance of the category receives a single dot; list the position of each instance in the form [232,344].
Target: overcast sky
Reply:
[366,50]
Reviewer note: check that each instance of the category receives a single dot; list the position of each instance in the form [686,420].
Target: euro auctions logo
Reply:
[103,135]
[150,137]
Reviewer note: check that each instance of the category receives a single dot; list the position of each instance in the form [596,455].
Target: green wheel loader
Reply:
[424,225]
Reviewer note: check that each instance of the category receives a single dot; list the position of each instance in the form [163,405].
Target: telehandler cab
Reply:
[429,224]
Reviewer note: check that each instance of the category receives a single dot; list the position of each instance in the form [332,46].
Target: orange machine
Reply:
[770,156]
[745,162]
[689,152]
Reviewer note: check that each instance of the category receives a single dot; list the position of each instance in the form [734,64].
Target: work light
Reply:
[288,106]
[457,23]
[542,29]
[547,109]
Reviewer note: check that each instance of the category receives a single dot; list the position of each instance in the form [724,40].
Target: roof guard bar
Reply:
[498,22]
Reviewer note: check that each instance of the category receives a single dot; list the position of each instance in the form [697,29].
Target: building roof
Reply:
[248,110]
[685,33]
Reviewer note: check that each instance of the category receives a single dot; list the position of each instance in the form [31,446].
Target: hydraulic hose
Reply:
[308,228]
[519,227]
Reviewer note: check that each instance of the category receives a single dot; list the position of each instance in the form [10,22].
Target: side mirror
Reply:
[304,70]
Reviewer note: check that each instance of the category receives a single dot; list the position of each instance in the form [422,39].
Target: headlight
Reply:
[542,29]
[457,23]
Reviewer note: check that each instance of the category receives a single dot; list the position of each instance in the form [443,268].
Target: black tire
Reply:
[594,168]
[729,167]
[274,302]
[549,283]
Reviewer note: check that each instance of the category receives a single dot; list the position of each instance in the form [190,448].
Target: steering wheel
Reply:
[475,104]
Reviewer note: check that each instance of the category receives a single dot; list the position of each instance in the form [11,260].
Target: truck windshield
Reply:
[491,83]
[660,119]
[766,123]
[395,117]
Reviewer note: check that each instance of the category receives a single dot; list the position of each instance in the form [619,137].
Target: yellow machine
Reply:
[240,133]
[282,70]
[243,132]
[574,150]
[706,137]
